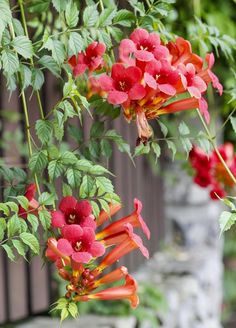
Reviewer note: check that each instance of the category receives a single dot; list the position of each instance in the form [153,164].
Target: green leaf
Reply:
[38,161]
[23,201]
[45,219]
[64,314]
[49,63]
[164,129]
[46,198]
[104,184]
[10,62]
[83,165]
[187,145]
[124,17]
[4,208]
[13,225]
[73,310]
[37,79]
[73,177]
[59,5]
[33,220]
[20,247]
[18,28]
[13,206]
[31,241]
[66,190]
[75,43]
[227,219]
[96,209]
[23,46]
[3,226]
[86,186]
[98,170]
[44,129]
[58,50]
[106,17]
[142,149]
[106,148]
[71,14]
[172,147]
[26,76]
[233,123]
[5,13]
[97,129]
[9,252]
[157,150]
[183,129]
[55,169]
[90,16]
[68,158]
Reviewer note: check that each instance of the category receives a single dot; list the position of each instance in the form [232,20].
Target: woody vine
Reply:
[111,62]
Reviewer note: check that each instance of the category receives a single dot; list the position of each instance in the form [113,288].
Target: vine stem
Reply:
[25,109]
[213,143]
[31,59]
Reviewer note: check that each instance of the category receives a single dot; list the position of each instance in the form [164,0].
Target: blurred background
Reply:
[190,280]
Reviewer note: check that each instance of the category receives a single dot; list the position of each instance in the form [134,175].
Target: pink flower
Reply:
[91,59]
[143,45]
[73,212]
[193,83]
[79,243]
[208,76]
[160,75]
[33,203]
[123,85]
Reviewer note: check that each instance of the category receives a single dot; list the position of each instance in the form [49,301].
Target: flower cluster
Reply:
[210,172]
[79,244]
[148,77]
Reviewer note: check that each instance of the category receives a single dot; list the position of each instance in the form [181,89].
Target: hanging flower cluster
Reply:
[210,172]
[148,77]
[79,244]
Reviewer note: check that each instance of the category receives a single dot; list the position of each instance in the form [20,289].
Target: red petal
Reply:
[88,236]
[83,208]
[144,55]
[117,72]
[133,73]
[67,203]
[73,61]
[154,39]
[100,49]
[97,249]
[161,52]
[30,191]
[125,49]
[106,82]
[203,107]
[200,84]
[117,97]
[79,69]
[72,232]
[81,257]
[167,89]
[89,222]
[194,92]
[137,92]
[139,35]
[58,219]
[65,247]
[150,81]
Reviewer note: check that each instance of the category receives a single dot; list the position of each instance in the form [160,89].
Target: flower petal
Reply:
[58,219]
[168,89]
[137,92]
[125,49]
[81,257]
[139,35]
[83,208]
[150,81]
[67,203]
[65,247]
[89,222]
[194,92]
[97,249]
[72,232]
[144,55]
[106,82]
[117,97]
[79,69]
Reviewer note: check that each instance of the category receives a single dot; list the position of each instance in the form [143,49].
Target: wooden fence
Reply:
[27,289]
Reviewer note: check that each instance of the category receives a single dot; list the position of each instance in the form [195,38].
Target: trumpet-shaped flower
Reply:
[123,85]
[73,212]
[33,203]
[91,59]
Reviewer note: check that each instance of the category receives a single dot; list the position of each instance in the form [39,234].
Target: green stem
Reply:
[213,143]
[31,59]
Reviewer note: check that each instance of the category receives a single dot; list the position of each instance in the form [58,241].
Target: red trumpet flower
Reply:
[33,203]
[73,212]
[91,59]
[128,291]
[123,85]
